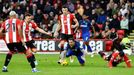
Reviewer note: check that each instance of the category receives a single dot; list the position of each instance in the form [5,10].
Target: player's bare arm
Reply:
[57,29]
[42,31]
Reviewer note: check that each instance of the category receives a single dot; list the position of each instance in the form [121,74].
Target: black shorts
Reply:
[66,36]
[30,44]
[16,47]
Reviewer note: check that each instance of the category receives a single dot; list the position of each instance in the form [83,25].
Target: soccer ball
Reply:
[64,63]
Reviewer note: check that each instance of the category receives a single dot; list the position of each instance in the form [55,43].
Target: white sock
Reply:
[34,68]
[5,67]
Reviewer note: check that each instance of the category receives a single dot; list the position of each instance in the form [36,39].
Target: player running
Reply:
[27,25]
[85,28]
[73,48]
[65,25]
[13,38]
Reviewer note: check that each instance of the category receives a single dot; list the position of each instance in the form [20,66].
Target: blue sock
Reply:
[84,46]
[89,48]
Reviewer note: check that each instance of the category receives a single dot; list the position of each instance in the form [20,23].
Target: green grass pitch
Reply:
[48,66]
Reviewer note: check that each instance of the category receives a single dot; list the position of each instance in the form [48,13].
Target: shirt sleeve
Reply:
[72,16]
[34,25]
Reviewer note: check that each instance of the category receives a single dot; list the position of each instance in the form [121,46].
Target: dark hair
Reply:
[64,6]
[71,39]
[27,14]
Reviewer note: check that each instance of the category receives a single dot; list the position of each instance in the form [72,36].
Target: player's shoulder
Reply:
[77,43]
[72,14]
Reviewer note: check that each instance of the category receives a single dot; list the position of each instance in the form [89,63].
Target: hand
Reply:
[56,34]
[49,33]
[73,26]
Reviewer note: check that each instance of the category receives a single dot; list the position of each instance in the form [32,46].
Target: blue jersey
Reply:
[85,26]
[75,48]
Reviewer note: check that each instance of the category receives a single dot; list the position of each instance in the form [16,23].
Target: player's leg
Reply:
[127,61]
[28,54]
[8,57]
[114,55]
[102,54]
[85,38]
[86,41]
[65,54]
[81,58]
[30,45]
[61,45]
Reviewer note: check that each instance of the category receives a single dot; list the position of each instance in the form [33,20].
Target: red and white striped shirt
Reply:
[66,23]
[27,30]
[10,27]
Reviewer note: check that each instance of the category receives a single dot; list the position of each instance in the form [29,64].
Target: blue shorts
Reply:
[86,37]
[78,55]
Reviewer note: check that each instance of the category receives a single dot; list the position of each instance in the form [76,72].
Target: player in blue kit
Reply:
[85,28]
[73,48]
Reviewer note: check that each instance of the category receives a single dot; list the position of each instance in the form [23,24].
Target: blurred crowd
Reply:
[105,16]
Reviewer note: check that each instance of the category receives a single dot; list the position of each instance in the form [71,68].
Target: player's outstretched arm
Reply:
[57,30]
[42,31]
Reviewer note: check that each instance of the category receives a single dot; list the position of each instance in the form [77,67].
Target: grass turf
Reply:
[48,66]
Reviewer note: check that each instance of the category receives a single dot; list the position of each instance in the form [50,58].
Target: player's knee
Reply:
[34,50]
[29,55]
[28,52]
[10,53]
[121,53]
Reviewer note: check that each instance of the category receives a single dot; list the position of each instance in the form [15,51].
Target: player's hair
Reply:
[71,39]
[27,14]
[12,13]
[64,6]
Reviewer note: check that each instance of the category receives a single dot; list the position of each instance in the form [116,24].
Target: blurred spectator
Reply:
[124,24]
[131,17]
[93,15]
[113,34]
[97,33]
[70,6]
[34,9]
[55,9]
[106,30]
[38,18]
[115,9]
[115,23]
[98,11]
[124,9]
[47,8]
[55,22]
[101,18]
[51,15]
